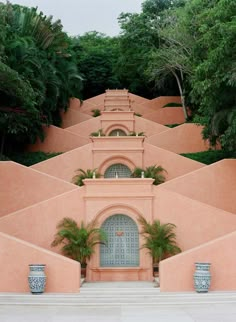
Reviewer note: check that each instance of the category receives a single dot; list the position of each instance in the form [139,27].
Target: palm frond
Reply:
[159,239]
[78,240]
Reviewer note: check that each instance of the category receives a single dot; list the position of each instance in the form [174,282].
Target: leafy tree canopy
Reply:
[38,73]
[96,55]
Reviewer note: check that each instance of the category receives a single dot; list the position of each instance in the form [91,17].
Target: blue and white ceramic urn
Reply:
[37,278]
[202,277]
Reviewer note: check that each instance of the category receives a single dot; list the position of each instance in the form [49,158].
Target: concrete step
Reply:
[117,297]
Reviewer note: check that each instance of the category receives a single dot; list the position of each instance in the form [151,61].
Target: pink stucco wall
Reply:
[123,120]
[58,140]
[148,127]
[89,157]
[22,187]
[72,117]
[185,138]
[167,115]
[161,101]
[87,127]
[109,150]
[198,199]
[196,222]
[214,185]
[37,224]
[131,197]
[63,274]
[176,273]
[96,100]
[64,166]
[87,107]
[140,109]
[137,99]
[75,104]
[174,164]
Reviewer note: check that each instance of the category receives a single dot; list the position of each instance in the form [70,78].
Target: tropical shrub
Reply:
[133,133]
[78,241]
[30,158]
[4,158]
[98,133]
[211,156]
[88,174]
[172,125]
[154,172]
[96,112]
[172,104]
[159,239]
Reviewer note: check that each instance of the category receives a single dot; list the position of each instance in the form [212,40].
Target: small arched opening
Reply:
[117,132]
[118,170]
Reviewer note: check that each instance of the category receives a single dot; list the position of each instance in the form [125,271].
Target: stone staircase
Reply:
[118,295]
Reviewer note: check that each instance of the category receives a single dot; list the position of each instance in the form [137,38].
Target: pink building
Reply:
[198,199]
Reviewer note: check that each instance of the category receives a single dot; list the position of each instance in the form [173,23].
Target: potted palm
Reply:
[82,174]
[155,172]
[98,133]
[160,240]
[78,241]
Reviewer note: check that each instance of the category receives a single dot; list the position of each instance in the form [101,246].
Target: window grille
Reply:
[117,132]
[122,247]
[117,170]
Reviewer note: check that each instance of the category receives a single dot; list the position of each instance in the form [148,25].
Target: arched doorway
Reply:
[122,247]
[120,170]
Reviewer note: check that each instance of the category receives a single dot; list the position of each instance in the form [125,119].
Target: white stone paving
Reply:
[196,312]
[202,313]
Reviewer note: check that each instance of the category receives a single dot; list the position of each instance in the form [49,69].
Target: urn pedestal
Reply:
[202,277]
[37,278]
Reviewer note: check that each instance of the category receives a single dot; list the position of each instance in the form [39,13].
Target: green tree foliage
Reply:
[38,73]
[139,37]
[96,57]
[78,240]
[214,78]
[30,158]
[211,156]
[198,47]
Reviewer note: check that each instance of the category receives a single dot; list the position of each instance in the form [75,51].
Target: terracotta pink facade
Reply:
[72,117]
[176,273]
[198,199]
[17,255]
[16,187]
[167,115]
[185,138]
[58,140]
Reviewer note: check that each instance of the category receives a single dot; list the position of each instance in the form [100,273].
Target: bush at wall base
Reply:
[37,278]
[202,277]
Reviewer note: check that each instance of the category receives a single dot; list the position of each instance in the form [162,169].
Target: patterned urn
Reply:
[37,278]
[202,277]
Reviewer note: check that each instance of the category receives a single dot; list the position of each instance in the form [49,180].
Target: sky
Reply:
[80,16]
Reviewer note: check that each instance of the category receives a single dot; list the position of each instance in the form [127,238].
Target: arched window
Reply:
[122,246]
[117,170]
[117,132]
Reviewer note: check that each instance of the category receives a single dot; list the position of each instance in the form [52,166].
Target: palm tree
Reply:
[160,239]
[154,172]
[38,74]
[88,174]
[98,133]
[78,240]
[133,133]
